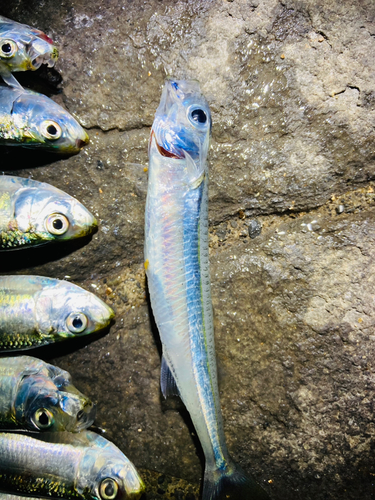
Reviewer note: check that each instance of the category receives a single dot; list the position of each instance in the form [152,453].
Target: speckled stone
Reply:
[291,88]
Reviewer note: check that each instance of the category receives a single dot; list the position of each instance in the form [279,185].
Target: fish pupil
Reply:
[77,323]
[198,115]
[43,418]
[6,48]
[109,490]
[57,224]
[52,130]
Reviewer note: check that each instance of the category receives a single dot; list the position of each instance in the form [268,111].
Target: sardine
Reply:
[36,311]
[23,48]
[37,396]
[72,466]
[33,213]
[33,120]
[177,268]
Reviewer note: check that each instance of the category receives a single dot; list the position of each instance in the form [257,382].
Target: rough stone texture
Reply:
[291,87]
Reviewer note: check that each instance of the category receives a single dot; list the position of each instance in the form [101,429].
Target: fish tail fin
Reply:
[231,483]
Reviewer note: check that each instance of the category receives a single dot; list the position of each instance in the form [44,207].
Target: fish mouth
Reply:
[40,54]
[81,143]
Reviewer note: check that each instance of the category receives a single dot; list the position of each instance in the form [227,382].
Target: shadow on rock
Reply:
[14,158]
[23,258]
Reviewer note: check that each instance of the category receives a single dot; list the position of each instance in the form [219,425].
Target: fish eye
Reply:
[51,130]
[57,224]
[8,48]
[43,418]
[108,489]
[197,116]
[76,322]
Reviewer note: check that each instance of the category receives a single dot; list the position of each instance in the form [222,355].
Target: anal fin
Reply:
[167,381]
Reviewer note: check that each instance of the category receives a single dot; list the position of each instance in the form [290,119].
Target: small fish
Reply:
[23,48]
[37,396]
[72,466]
[36,311]
[33,120]
[33,213]
[177,268]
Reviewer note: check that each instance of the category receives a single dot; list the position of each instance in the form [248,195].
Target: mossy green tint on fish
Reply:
[177,268]
[82,466]
[33,213]
[36,311]
[37,396]
[34,121]
[23,48]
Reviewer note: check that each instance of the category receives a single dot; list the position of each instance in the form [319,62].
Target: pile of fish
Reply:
[28,118]
[72,462]
[46,450]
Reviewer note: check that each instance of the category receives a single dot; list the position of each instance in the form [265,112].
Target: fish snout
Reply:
[81,143]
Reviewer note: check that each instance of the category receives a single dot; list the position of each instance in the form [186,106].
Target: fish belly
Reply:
[182,310]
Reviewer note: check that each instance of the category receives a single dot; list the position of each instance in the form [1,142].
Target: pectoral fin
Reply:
[167,381]
[196,176]
[9,78]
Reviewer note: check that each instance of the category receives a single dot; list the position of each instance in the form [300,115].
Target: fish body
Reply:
[177,268]
[23,48]
[33,213]
[37,396]
[73,466]
[36,311]
[33,120]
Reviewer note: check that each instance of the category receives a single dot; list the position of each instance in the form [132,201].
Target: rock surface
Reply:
[291,87]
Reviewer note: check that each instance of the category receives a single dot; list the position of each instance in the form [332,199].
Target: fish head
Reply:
[40,406]
[64,310]
[51,214]
[182,124]
[47,125]
[118,479]
[113,476]
[105,473]
[24,48]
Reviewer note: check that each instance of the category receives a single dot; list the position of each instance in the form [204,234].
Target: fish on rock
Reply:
[36,311]
[34,120]
[37,396]
[177,268]
[33,213]
[23,48]
[82,466]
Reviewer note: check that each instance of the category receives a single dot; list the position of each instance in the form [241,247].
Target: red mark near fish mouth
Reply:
[44,37]
[164,152]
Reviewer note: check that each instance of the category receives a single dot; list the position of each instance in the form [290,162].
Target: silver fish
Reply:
[177,268]
[36,311]
[23,48]
[72,466]
[37,396]
[33,120]
[33,213]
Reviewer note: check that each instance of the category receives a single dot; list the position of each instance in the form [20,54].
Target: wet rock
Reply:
[255,228]
[290,85]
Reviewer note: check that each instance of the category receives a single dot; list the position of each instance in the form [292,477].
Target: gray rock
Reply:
[291,88]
